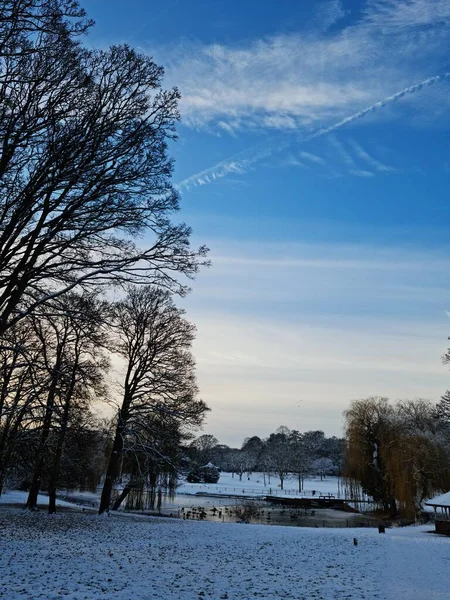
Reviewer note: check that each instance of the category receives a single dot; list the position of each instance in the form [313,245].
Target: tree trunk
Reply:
[114,462]
[9,429]
[54,473]
[40,455]
[2,476]
[123,494]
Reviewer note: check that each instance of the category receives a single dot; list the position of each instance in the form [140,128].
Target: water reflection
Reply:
[256,511]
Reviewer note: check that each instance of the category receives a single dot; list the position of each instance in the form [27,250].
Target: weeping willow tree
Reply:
[395,454]
[368,425]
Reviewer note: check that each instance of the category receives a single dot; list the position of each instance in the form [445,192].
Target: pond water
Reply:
[232,510]
[228,509]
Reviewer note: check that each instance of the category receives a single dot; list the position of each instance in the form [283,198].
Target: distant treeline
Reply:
[285,453]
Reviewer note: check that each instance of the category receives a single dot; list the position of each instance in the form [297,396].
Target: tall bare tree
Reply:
[154,339]
[277,452]
[84,170]
[22,387]
[71,341]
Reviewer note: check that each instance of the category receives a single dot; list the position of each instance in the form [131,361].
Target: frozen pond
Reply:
[229,510]
[218,502]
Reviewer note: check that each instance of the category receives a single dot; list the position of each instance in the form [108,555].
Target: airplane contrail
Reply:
[381,104]
[239,163]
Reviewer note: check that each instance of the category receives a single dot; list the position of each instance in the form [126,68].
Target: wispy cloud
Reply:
[312,158]
[293,161]
[329,13]
[227,127]
[370,160]
[237,164]
[361,173]
[298,80]
[394,15]
[376,106]
[342,152]
[241,162]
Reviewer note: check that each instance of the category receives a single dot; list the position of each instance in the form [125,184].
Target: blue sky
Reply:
[314,160]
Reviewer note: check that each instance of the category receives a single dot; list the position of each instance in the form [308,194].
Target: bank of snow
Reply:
[81,556]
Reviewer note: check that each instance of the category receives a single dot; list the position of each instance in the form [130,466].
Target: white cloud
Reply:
[243,160]
[312,158]
[370,160]
[301,79]
[343,154]
[292,161]
[329,13]
[361,173]
[237,164]
[394,15]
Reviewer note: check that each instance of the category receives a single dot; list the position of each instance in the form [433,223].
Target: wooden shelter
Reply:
[441,506]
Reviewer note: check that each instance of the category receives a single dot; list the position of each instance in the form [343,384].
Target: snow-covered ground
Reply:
[255,484]
[16,497]
[81,556]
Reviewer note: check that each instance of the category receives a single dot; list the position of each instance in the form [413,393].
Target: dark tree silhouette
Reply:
[155,341]
[71,342]
[84,171]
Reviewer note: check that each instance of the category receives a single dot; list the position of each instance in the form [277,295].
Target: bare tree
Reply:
[83,375]
[84,170]
[155,341]
[202,448]
[240,462]
[300,457]
[442,412]
[71,341]
[150,463]
[254,446]
[21,390]
[278,453]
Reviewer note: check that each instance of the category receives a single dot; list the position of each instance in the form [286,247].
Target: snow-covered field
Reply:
[81,556]
[255,484]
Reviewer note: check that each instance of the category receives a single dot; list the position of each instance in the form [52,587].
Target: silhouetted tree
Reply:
[71,342]
[154,339]
[278,453]
[202,447]
[84,170]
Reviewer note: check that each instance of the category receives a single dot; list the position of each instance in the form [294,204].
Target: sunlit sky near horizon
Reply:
[313,160]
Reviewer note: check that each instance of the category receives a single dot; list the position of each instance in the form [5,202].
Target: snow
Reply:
[83,556]
[17,497]
[442,500]
[254,485]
